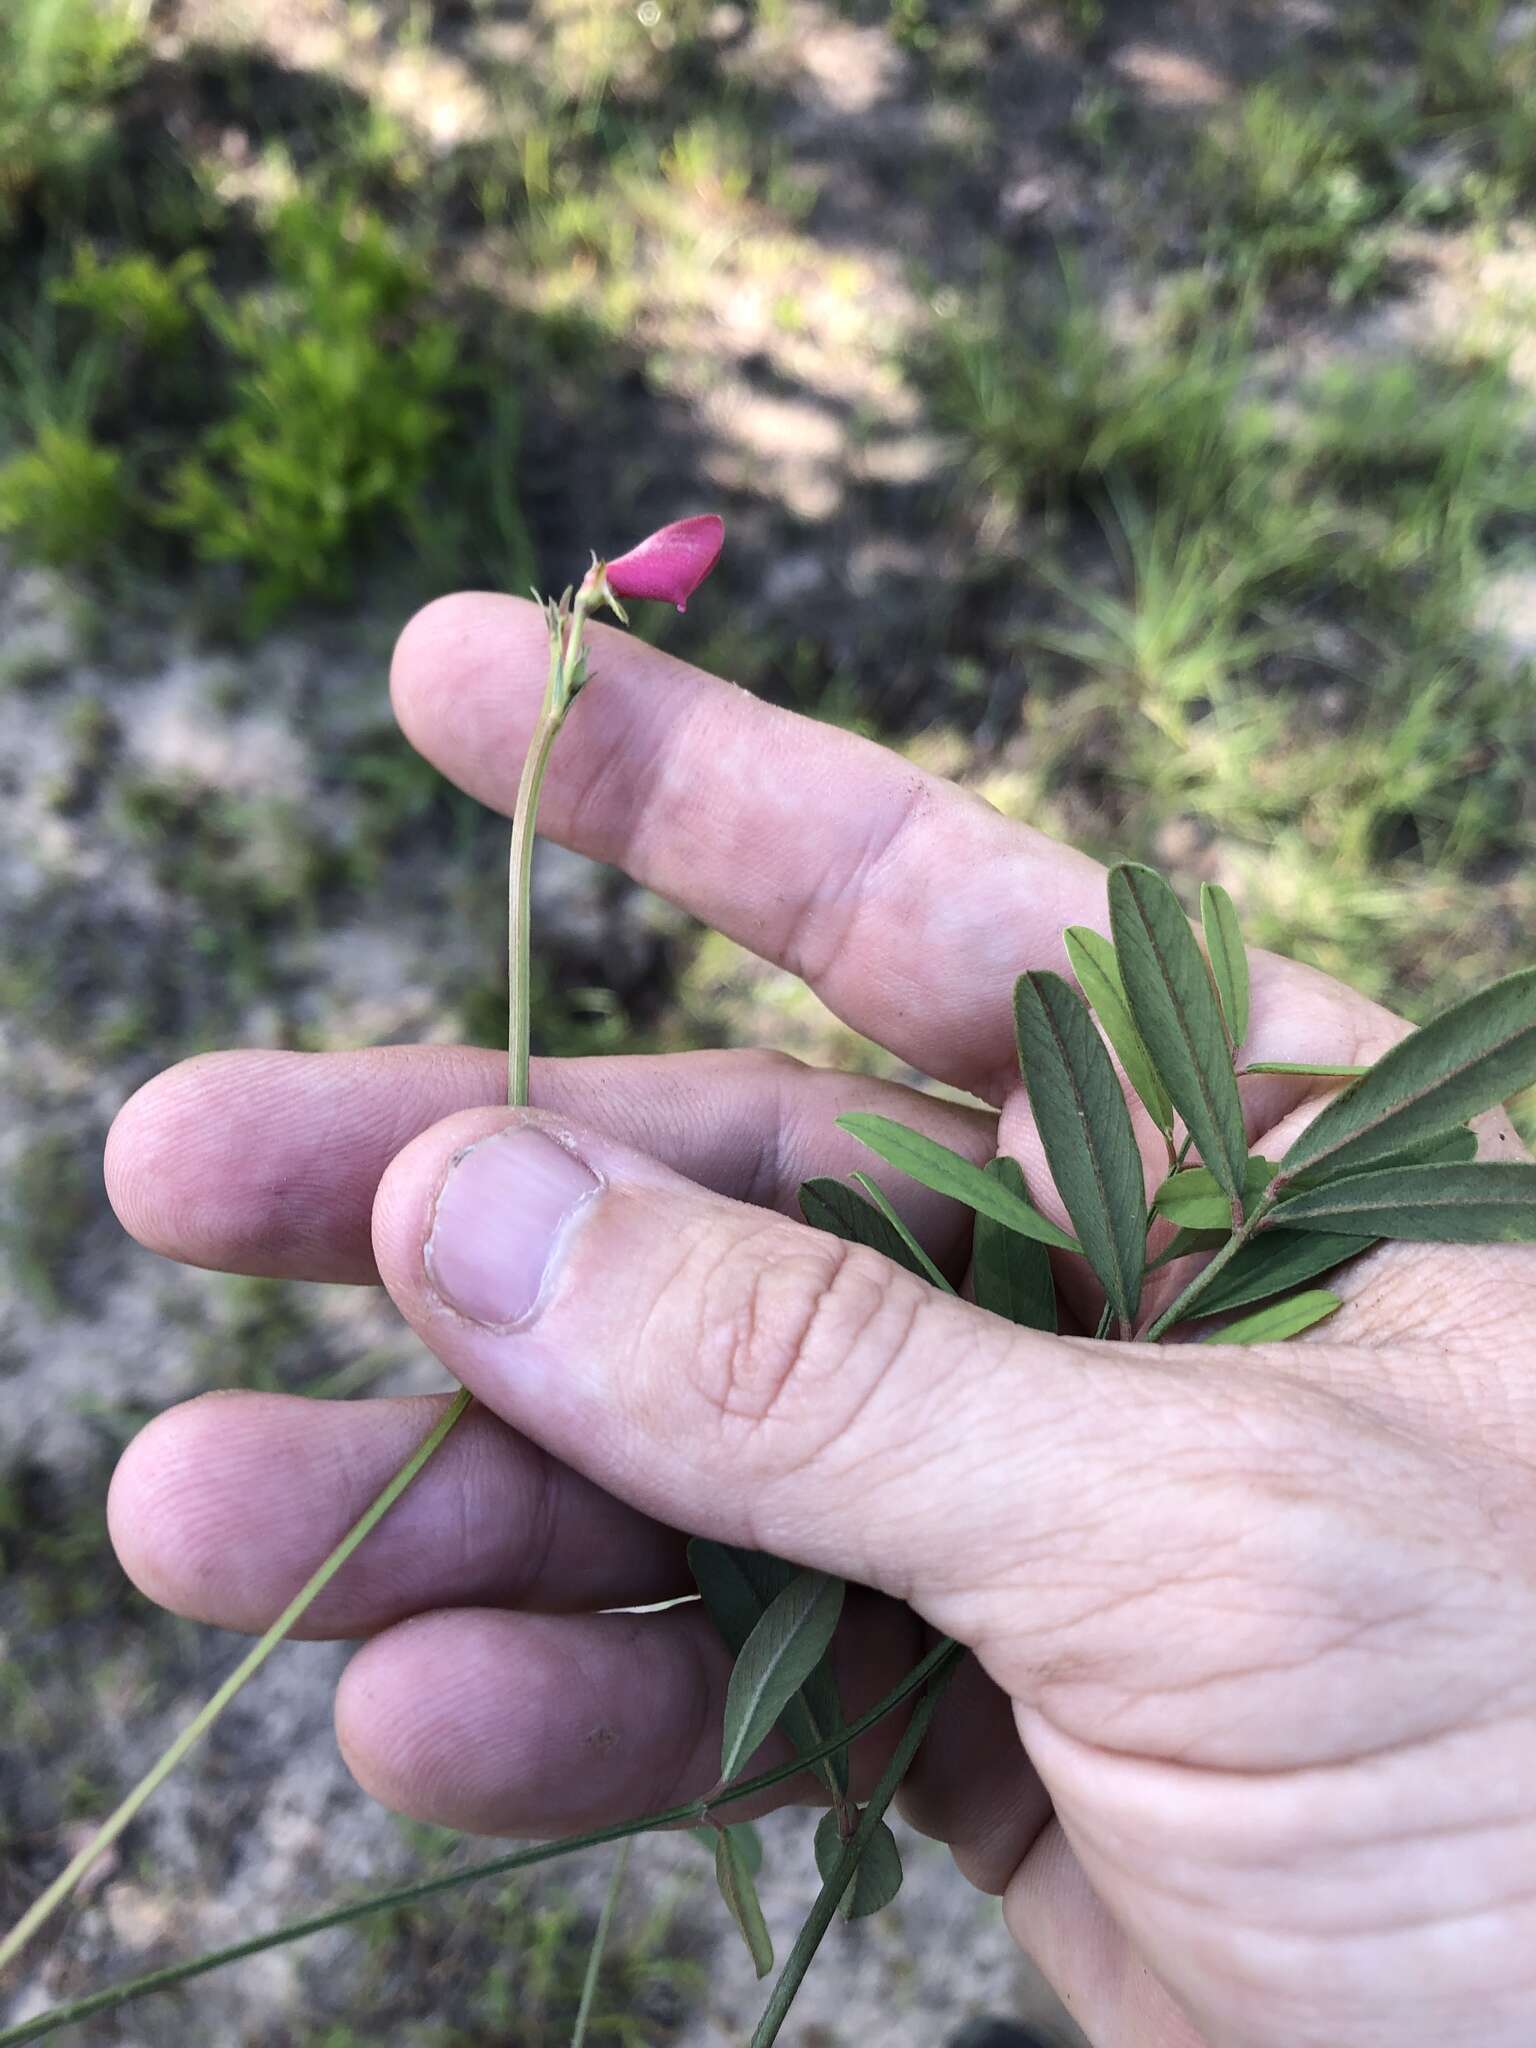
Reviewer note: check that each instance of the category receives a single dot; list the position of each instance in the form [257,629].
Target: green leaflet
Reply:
[1486,1203]
[790,1640]
[748,1840]
[1011,1275]
[827,1205]
[877,1879]
[923,1264]
[1192,1199]
[1450,1148]
[1093,961]
[1323,1072]
[1228,957]
[1173,1000]
[1273,1263]
[737,1588]
[1279,1320]
[1471,1057]
[949,1173]
[734,1875]
[1085,1127]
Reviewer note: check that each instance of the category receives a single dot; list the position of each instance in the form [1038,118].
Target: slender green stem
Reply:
[1182,1306]
[249,1665]
[599,1943]
[939,1659]
[519,905]
[564,680]
[840,1876]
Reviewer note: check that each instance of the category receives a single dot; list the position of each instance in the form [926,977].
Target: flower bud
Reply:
[670,564]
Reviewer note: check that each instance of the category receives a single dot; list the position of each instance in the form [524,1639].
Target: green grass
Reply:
[61,63]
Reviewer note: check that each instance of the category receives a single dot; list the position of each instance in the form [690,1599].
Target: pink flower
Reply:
[670,564]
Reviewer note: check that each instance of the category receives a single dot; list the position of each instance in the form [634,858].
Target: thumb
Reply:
[724,1367]
[1054,1503]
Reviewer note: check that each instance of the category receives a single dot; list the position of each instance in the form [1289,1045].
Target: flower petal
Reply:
[671,563]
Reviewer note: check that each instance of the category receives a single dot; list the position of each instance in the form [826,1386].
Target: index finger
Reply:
[908,904]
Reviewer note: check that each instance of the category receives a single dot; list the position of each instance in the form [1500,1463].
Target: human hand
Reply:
[1249,1747]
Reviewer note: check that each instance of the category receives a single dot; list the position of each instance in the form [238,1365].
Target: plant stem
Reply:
[935,1665]
[519,903]
[840,1876]
[250,1664]
[1181,1306]
[564,680]
[599,1943]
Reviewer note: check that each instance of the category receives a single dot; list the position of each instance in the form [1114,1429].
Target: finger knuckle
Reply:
[792,1335]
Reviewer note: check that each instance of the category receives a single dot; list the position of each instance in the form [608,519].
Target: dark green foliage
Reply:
[1083,1122]
[1010,1274]
[878,1877]
[828,1205]
[339,394]
[1173,1002]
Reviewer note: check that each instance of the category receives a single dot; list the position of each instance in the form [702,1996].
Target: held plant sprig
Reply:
[1390,1156]
[669,565]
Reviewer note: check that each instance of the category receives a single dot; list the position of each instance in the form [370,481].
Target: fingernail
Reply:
[499,1221]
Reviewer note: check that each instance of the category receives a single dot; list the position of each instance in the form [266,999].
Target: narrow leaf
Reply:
[777,1658]
[877,1879]
[1281,1319]
[1273,1263]
[1451,1148]
[1322,1072]
[1092,959]
[1228,957]
[1192,1198]
[950,1173]
[748,1840]
[923,1265]
[1011,1275]
[1490,1203]
[1471,1057]
[738,1587]
[734,1876]
[1173,1001]
[828,1205]
[1085,1128]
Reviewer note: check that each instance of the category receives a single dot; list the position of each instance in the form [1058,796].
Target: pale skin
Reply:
[1249,1743]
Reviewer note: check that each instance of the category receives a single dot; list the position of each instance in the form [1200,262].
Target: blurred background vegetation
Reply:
[1126,409]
